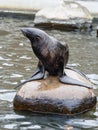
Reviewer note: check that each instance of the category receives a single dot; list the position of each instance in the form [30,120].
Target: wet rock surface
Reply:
[67,16]
[51,96]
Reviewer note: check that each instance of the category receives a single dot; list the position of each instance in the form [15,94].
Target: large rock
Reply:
[91,5]
[50,96]
[67,16]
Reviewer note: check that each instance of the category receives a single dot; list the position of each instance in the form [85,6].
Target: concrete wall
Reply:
[35,5]
[28,4]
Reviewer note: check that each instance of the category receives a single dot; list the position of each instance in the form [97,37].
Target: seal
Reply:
[52,54]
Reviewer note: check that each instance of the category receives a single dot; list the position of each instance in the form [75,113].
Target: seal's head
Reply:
[34,34]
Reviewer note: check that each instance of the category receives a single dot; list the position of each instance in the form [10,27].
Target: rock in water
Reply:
[68,16]
[50,96]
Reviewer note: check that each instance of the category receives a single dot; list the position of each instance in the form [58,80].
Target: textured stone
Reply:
[50,96]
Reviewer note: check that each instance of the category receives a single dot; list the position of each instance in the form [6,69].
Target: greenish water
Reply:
[17,63]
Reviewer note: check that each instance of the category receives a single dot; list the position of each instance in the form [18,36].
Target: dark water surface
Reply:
[17,63]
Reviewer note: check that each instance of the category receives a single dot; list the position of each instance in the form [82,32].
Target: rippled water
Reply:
[17,63]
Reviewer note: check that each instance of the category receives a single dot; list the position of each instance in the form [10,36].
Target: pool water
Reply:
[17,63]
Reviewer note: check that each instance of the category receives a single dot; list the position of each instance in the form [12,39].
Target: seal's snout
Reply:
[32,32]
[29,32]
[24,31]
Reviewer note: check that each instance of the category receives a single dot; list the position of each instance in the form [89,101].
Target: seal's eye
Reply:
[38,38]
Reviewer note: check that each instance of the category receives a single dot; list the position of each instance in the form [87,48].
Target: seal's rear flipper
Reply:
[67,80]
[37,75]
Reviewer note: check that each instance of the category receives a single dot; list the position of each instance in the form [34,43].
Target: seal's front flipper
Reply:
[20,84]
[37,70]
[37,75]
[67,80]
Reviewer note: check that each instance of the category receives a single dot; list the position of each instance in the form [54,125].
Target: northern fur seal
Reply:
[52,55]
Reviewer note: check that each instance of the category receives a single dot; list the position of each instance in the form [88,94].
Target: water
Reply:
[17,63]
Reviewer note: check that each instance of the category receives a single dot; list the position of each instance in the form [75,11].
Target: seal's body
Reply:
[52,55]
